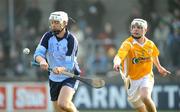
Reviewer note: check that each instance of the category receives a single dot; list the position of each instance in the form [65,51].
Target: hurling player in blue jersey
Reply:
[58,49]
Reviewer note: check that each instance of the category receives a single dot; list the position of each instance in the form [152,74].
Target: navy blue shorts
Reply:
[55,87]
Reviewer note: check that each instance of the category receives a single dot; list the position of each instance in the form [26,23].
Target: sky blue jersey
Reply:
[59,52]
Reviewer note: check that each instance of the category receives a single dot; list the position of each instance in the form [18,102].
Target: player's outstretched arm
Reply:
[161,69]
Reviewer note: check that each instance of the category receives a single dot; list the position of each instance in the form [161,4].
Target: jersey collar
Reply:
[135,42]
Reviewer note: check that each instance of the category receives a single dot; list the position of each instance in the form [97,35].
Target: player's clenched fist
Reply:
[116,67]
[117,62]
[58,70]
[163,71]
[44,65]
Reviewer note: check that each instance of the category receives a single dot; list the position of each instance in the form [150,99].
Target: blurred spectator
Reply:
[1,61]
[177,13]
[174,44]
[147,12]
[100,61]
[153,23]
[107,36]
[17,56]
[69,6]
[77,32]
[95,15]
[81,13]
[5,42]
[106,44]
[147,7]
[5,48]
[173,4]
[34,15]
[31,35]
[19,10]
[19,39]
[89,32]
[161,34]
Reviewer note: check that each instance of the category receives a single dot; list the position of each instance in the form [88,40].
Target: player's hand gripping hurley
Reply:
[125,78]
[95,83]
[118,68]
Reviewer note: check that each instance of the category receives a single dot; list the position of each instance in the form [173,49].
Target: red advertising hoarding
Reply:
[30,97]
[3,99]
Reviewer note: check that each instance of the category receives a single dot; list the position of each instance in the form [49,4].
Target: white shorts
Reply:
[133,91]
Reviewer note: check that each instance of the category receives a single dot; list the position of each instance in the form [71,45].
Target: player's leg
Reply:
[65,99]
[145,92]
[139,106]
[54,92]
[56,107]
[147,100]
[141,109]
[134,95]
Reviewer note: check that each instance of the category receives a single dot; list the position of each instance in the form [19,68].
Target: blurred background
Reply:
[100,27]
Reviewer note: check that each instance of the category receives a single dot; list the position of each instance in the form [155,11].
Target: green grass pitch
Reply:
[123,111]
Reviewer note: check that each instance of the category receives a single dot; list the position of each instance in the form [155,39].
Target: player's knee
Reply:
[137,104]
[144,95]
[145,98]
[65,105]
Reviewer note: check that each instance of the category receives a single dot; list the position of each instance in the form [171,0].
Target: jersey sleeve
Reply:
[155,51]
[124,49]
[42,46]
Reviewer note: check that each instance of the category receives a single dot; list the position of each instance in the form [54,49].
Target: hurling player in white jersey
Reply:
[58,49]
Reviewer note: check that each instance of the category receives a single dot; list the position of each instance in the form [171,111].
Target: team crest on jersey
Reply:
[137,60]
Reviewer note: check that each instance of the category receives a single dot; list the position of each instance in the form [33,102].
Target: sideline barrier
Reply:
[34,97]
